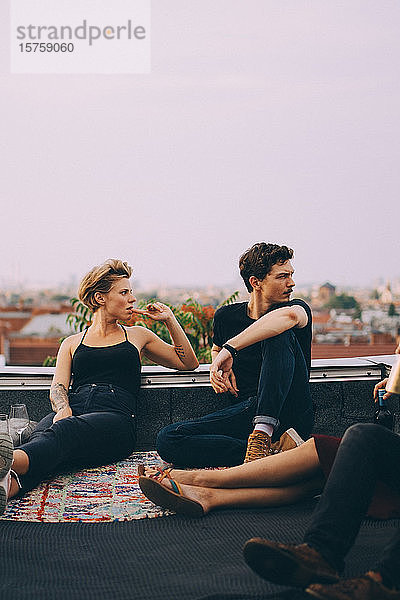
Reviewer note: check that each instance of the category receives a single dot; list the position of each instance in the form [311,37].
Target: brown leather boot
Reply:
[366,587]
[288,564]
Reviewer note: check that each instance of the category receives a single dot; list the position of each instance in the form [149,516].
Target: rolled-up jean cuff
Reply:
[265,420]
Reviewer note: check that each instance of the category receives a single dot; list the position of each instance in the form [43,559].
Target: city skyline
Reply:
[301,288]
[15,283]
[260,121]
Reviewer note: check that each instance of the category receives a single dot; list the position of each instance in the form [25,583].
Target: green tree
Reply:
[49,361]
[81,317]
[343,301]
[59,298]
[392,310]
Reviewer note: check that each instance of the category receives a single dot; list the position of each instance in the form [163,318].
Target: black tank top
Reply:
[118,364]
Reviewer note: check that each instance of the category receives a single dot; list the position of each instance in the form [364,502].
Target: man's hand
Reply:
[379,386]
[397,351]
[222,362]
[222,377]
[224,382]
[63,413]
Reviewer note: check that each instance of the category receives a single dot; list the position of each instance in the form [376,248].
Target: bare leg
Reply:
[20,465]
[212,498]
[277,470]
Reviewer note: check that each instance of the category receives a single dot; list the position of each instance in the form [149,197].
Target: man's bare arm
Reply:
[214,351]
[273,323]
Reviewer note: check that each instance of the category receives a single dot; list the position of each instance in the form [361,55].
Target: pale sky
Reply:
[264,120]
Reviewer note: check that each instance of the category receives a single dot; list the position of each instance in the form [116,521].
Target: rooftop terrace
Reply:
[177,557]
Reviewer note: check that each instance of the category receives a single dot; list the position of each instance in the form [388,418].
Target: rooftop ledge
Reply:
[333,369]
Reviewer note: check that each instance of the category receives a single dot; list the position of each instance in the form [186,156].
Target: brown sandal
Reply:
[163,471]
[170,498]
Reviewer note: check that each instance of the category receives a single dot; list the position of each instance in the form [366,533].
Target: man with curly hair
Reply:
[261,358]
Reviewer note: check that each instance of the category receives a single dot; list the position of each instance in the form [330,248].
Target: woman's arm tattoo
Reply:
[179,351]
[58,396]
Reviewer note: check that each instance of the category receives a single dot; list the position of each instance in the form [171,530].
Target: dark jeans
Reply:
[367,452]
[98,433]
[221,438]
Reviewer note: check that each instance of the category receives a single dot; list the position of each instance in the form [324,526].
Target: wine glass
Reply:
[19,419]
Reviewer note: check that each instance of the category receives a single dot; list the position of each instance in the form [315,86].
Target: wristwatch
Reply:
[231,349]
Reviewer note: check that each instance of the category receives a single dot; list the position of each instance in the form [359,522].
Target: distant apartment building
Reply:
[326,291]
[28,337]
[339,335]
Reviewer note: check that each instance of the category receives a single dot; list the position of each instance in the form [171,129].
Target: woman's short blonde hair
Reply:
[101,279]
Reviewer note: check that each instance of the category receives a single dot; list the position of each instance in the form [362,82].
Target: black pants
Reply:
[283,400]
[367,452]
[101,431]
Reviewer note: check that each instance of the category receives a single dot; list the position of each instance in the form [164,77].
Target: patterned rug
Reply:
[109,493]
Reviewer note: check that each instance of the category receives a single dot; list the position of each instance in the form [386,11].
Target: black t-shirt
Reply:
[232,319]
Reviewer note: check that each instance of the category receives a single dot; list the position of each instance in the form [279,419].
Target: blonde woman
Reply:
[94,422]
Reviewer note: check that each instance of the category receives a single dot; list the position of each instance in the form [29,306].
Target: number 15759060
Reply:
[46,47]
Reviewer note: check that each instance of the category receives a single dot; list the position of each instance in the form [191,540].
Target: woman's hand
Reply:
[63,413]
[180,355]
[156,311]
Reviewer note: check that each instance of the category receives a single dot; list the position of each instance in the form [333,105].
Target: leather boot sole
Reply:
[284,565]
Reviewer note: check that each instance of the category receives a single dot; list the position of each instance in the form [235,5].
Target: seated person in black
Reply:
[264,366]
[368,456]
[94,423]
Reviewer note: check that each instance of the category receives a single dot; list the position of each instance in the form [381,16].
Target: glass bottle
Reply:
[383,416]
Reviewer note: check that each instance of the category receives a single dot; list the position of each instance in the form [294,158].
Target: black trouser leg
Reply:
[283,395]
[366,453]
[80,441]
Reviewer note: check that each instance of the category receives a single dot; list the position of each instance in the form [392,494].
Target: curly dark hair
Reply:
[259,260]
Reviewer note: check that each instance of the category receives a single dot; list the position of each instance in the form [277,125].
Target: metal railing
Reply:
[334,369]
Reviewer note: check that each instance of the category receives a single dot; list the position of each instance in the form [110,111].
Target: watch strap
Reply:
[231,349]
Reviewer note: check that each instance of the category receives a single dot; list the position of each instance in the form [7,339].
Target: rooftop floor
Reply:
[174,557]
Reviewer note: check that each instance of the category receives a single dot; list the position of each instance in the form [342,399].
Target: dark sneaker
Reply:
[358,588]
[288,564]
[258,446]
